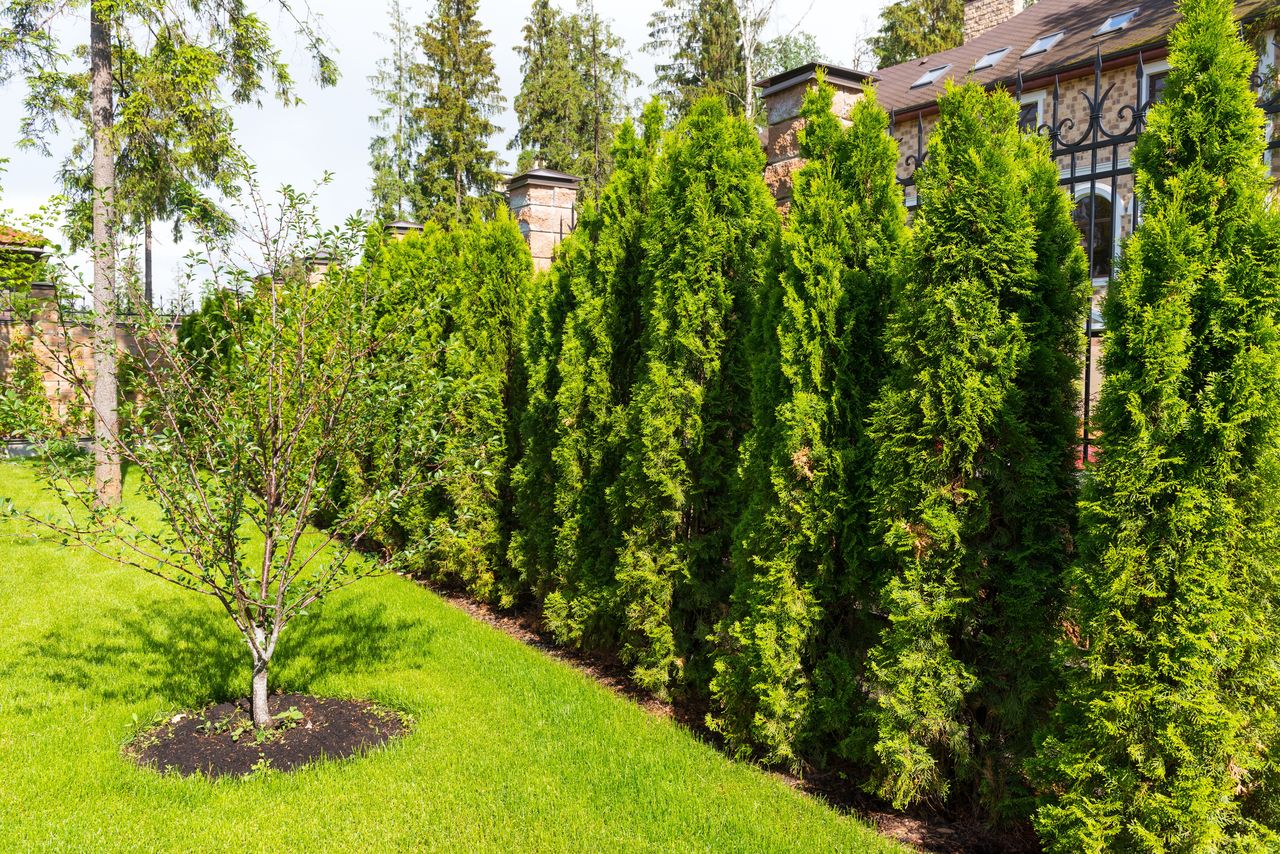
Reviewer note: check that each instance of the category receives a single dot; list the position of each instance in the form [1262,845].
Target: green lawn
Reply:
[512,750]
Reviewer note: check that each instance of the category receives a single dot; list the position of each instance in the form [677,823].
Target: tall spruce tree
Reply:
[701,49]
[711,227]
[974,434]
[397,145]
[460,96]
[801,548]
[573,92]
[1162,739]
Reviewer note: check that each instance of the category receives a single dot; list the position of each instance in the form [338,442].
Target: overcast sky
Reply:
[330,131]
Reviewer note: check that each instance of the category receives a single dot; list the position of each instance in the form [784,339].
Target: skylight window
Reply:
[990,59]
[1116,22]
[1043,43]
[931,76]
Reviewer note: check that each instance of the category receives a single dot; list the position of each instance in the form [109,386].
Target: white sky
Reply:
[330,131]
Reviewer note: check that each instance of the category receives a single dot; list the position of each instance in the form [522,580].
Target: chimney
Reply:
[783,95]
[982,15]
[542,201]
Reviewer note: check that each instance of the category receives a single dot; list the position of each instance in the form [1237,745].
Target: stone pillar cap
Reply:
[544,178]
[835,74]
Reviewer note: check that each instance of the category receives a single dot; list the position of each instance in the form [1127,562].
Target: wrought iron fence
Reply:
[1093,158]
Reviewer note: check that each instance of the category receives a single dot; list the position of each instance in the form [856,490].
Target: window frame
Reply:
[1082,192]
[1149,72]
[1037,98]
[999,54]
[931,76]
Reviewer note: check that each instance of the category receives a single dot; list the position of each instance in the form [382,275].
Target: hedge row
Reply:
[822,477]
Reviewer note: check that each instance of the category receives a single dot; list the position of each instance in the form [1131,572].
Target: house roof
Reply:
[13,238]
[1079,46]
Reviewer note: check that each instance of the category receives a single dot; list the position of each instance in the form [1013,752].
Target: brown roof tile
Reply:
[1077,19]
[14,237]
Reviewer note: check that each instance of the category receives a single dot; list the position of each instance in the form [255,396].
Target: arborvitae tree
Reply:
[974,435]
[573,93]
[488,310]
[699,41]
[600,350]
[1163,739]
[581,350]
[910,29]
[460,96]
[712,223]
[395,150]
[801,549]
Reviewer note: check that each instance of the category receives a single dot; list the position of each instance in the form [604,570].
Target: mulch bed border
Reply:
[218,740]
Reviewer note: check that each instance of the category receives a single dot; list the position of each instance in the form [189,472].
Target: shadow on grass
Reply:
[188,655]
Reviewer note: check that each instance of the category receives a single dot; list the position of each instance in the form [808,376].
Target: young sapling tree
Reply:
[238,433]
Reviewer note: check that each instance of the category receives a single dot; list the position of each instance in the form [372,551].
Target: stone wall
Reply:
[63,348]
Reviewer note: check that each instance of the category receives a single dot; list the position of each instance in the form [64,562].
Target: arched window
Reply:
[1094,217]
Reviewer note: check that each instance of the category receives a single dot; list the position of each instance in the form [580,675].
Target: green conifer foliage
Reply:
[800,550]
[600,349]
[460,96]
[1160,742]
[573,93]
[582,350]
[453,308]
[711,227]
[975,430]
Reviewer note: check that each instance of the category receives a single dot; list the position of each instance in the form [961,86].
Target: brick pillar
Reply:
[542,202]
[982,15]
[783,96]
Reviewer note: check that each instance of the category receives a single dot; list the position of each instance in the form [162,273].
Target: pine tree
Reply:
[974,435]
[800,550]
[394,151]
[712,223]
[699,41]
[573,93]
[910,29]
[1162,738]
[460,96]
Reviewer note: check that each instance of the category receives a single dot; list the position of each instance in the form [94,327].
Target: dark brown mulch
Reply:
[922,831]
[216,741]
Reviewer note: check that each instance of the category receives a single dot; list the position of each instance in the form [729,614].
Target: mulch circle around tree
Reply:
[220,740]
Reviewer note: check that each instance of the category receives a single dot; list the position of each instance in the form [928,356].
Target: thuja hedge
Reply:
[819,475]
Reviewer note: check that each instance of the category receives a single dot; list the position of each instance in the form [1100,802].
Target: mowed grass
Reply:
[512,751]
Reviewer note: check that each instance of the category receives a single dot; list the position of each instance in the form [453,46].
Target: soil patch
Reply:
[220,740]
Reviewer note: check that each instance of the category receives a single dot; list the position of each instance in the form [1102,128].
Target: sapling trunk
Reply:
[258,697]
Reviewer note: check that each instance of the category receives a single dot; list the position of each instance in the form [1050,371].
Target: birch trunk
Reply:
[106,459]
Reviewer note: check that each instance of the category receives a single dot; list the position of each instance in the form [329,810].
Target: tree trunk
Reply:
[258,697]
[106,458]
[146,265]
